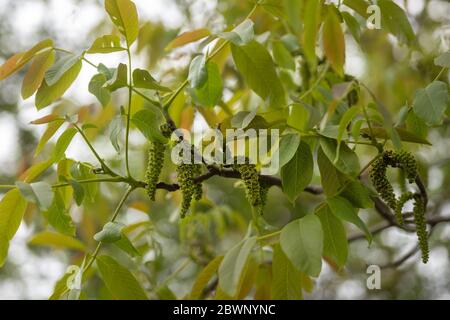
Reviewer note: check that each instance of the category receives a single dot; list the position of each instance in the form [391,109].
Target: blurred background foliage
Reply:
[174,253]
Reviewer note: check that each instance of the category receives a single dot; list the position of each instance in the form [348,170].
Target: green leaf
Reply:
[40,193]
[36,73]
[286,279]
[443,60]
[344,210]
[241,35]
[63,143]
[258,70]
[48,134]
[358,194]
[360,6]
[57,71]
[395,20]
[85,172]
[143,79]
[47,94]
[335,244]
[97,88]
[232,268]
[116,127]
[12,209]
[112,232]
[119,79]
[346,161]
[125,245]
[311,25]
[148,121]
[274,7]
[120,282]
[430,103]
[59,217]
[293,9]
[211,92]
[188,37]
[282,56]
[334,42]
[329,175]
[78,191]
[106,44]
[352,25]
[19,60]
[289,145]
[197,72]
[204,277]
[302,242]
[405,136]
[56,240]
[298,172]
[124,15]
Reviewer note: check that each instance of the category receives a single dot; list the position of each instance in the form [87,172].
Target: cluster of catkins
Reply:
[405,161]
[255,189]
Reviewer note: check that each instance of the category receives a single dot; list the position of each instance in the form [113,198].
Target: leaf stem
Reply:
[7,187]
[117,179]
[440,73]
[319,79]
[268,236]
[105,167]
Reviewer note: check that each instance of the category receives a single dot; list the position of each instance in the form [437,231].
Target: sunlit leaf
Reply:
[56,240]
[430,103]
[106,44]
[188,37]
[123,14]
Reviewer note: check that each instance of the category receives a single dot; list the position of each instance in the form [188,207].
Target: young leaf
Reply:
[311,25]
[35,75]
[334,42]
[57,241]
[430,103]
[143,79]
[289,145]
[188,37]
[443,60]
[19,60]
[352,25]
[112,232]
[344,210]
[116,127]
[204,277]
[396,21]
[298,172]
[12,209]
[360,6]
[345,161]
[59,218]
[119,78]
[329,175]
[358,194]
[40,193]
[124,15]
[258,70]
[48,134]
[47,94]
[210,93]
[63,143]
[197,72]
[241,35]
[106,44]
[233,266]
[335,243]
[148,121]
[120,282]
[286,279]
[302,242]
[282,56]
[97,88]
[57,71]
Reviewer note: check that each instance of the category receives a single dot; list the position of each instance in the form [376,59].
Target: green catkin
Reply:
[186,174]
[250,177]
[421,226]
[264,191]
[154,167]
[380,181]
